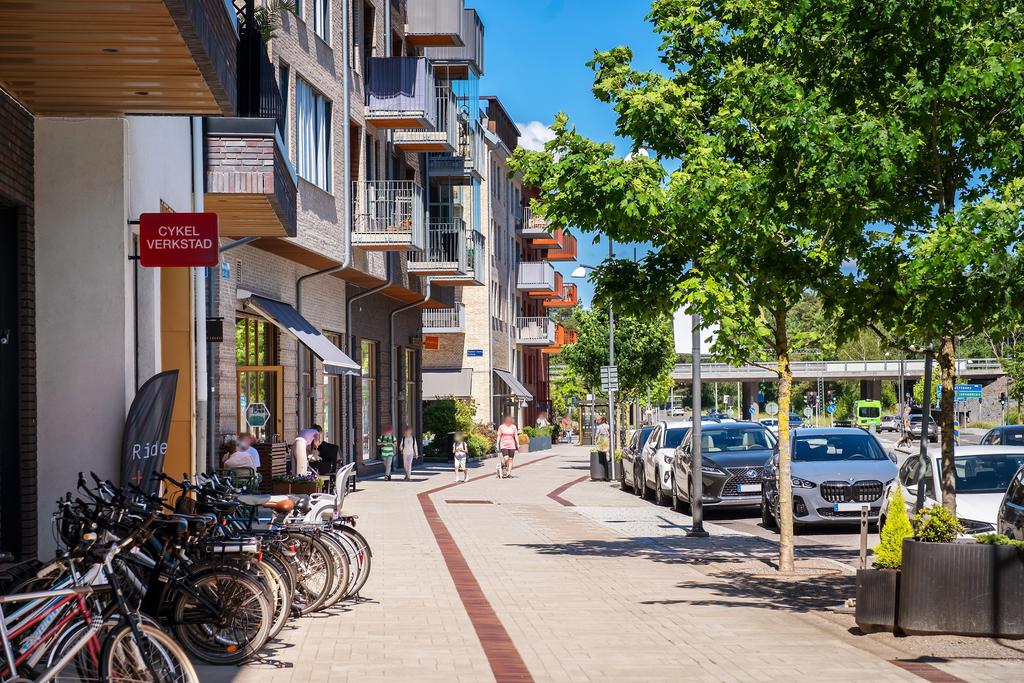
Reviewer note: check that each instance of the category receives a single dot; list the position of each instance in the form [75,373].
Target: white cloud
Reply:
[534,134]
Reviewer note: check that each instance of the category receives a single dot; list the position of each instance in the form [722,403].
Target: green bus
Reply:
[868,414]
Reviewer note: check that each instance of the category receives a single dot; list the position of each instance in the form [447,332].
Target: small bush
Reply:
[442,418]
[888,554]
[1000,539]
[478,446]
[487,431]
[936,524]
[523,439]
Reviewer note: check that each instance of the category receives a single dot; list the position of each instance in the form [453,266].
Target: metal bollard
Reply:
[864,536]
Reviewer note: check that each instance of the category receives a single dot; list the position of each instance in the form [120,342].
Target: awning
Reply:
[290,321]
[456,382]
[518,390]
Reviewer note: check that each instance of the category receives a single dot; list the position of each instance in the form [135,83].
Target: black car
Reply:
[631,458]
[1007,435]
[1010,518]
[733,454]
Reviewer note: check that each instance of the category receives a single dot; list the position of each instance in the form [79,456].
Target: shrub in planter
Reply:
[936,524]
[478,446]
[878,589]
[888,554]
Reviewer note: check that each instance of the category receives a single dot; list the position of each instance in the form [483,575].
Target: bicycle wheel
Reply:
[316,573]
[342,570]
[85,666]
[224,617]
[363,558]
[155,658]
[281,594]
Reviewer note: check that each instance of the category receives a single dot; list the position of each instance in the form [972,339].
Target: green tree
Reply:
[1013,364]
[745,192]
[566,388]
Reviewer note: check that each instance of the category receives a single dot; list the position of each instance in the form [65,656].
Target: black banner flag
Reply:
[144,445]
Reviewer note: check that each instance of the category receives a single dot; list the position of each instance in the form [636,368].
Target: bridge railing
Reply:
[837,368]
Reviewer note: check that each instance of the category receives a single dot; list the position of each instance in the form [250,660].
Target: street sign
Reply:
[475,353]
[831,408]
[610,377]
[178,240]
[760,397]
[772,408]
[962,392]
[257,415]
[808,411]
[682,333]
[752,410]
[727,398]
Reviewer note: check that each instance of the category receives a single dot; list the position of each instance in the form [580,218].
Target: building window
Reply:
[322,19]
[368,358]
[258,378]
[331,416]
[283,73]
[409,378]
[313,135]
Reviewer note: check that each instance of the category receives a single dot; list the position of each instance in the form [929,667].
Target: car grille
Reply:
[829,512]
[739,476]
[857,492]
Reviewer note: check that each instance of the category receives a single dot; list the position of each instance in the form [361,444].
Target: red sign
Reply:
[178,240]
[431,343]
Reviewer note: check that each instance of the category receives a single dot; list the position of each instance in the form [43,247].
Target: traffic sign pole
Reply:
[696,457]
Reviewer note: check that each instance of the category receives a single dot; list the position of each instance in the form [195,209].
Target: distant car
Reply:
[772,424]
[1007,435]
[656,464]
[1010,519]
[795,421]
[835,472]
[733,457]
[889,423]
[983,475]
[914,429]
[631,462]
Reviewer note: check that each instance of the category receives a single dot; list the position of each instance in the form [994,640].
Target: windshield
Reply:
[986,473]
[837,447]
[674,436]
[869,411]
[755,438]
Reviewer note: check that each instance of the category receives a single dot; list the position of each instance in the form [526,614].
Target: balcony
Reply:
[567,299]
[567,252]
[434,23]
[563,338]
[389,216]
[401,93]
[476,251]
[445,320]
[535,331]
[537,277]
[552,240]
[533,226]
[102,58]
[443,137]
[461,60]
[465,164]
[445,253]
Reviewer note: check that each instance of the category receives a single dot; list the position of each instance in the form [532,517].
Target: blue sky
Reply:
[535,62]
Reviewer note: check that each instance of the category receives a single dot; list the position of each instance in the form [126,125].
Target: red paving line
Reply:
[928,672]
[556,495]
[506,663]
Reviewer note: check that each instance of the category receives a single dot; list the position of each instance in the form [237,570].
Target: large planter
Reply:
[540,443]
[967,589]
[877,599]
[598,466]
[301,488]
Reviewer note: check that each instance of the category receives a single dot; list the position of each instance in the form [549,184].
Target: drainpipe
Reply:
[391,349]
[204,429]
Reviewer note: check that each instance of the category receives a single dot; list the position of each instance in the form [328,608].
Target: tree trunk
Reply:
[785,469]
[946,357]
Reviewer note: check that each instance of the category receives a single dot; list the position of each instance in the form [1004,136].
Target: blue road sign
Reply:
[831,408]
[962,391]
[760,397]
[752,410]
[475,353]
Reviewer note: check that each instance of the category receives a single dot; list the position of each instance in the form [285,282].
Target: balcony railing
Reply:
[466,163]
[532,226]
[567,299]
[446,252]
[389,216]
[401,93]
[476,252]
[539,276]
[567,252]
[469,55]
[563,337]
[444,136]
[444,320]
[535,331]
[434,23]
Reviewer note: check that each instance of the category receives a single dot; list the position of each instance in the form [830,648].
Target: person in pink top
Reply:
[508,443]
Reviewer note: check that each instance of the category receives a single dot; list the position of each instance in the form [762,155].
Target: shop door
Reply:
[10,470]
[262,384]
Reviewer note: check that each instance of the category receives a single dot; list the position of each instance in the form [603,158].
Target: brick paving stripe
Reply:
[556,495]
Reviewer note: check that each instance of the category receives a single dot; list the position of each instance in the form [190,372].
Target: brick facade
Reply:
[17,196]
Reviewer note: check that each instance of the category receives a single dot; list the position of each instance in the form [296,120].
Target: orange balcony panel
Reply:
[569,298]
[553,240]
[567,252]
[563,337]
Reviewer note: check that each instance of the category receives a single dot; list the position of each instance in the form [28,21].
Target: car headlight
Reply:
[710,467]
[799,483]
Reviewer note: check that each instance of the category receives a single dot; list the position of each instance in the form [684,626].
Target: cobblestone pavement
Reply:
[557,578]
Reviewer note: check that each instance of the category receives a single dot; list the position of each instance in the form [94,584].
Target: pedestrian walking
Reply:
[508,444]
[460,452]
[905,438]
[304,449]
[603,435]
[410,450]
[386,449]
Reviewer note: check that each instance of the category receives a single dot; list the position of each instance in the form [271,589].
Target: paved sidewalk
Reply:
[587,584]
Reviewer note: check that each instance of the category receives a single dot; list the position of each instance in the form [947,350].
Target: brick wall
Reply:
[16,190]
[251,164]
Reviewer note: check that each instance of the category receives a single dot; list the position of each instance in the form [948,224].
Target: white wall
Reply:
[83,331]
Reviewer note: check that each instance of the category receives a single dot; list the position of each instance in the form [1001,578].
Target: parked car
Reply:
[795,421]
[631,464]
[772,424]
[889,423]
[656,462]
[915,428]
[733,457]
[1010,519]
[1007,435]
[983,475]
[835,472]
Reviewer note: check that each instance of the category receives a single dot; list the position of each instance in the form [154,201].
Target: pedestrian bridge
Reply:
[836,370]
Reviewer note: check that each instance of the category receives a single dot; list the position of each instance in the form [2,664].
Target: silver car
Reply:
[835,473]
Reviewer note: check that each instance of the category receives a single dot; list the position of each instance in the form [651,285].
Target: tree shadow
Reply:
[798,593]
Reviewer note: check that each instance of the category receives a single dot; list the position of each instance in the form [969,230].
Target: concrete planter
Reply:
[539,443]
[877,599]
[961,588]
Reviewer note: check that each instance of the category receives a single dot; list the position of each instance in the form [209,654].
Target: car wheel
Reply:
[659,495]
[767,520]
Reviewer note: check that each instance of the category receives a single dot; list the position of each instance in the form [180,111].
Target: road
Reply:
[836,541]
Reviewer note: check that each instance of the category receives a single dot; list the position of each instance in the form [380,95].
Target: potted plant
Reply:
[878,588]
[524,442]
[296,484]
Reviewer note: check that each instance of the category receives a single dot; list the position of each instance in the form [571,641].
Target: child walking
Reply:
[460,450]
[386,446]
